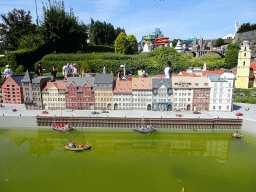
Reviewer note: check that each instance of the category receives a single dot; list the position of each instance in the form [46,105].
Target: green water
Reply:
[123,160]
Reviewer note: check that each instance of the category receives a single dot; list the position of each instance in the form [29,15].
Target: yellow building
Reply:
[54,95]
[246,71]
[243,66]
[103,91]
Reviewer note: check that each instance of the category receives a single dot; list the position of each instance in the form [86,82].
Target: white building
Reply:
[222,89]
[122,95]
[142,93]
[182,93]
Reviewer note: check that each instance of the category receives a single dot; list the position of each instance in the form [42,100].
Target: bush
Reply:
[19,70]
[3,80]
[3,61]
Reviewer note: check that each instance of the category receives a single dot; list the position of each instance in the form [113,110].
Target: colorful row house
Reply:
[162,94]
[103,90]
[201,93]
[80,93]
[142,93]
[182,93]
[32,90]
[54,95]
[12,90]
[122,95]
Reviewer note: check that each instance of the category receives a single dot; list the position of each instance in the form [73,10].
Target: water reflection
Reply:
[107,144]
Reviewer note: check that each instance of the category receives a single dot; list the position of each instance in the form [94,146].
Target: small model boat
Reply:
[72,147]
[237,135]
[145,130]
[62,128]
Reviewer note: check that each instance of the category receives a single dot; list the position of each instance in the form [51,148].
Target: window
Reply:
[228,107]
[245,54]
[219,107]
[213,107]
[243,63]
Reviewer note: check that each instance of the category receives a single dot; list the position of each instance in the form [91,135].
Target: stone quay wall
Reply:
[125,122]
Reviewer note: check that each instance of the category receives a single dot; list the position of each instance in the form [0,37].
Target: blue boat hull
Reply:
[146,130]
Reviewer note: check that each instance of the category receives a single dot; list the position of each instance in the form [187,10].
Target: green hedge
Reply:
[251,100]
[3,61]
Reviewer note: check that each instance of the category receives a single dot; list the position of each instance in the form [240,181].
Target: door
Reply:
[149,107]
[109,106]
[188,107]
[116,106]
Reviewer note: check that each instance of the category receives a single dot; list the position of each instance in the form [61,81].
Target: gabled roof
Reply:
[40,78]
[123,87]
[216,72]
[182,79]
[158,82]
[58,84]
[79,81]
[142,83]
[17,79]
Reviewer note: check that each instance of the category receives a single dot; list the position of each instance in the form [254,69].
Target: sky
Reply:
[177,19]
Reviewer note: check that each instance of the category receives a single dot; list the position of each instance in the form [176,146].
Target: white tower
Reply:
[237,25]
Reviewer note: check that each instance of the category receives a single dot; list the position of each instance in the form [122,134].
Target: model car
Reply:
[104,111]
[45,112]
[95,113]
[14,109]
[178,115]
[239,114]
[69,110]
[196,112]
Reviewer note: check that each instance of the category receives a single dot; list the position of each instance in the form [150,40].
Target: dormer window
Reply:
[142,81]
[196,84]
[206,84]
[176,83]
[142,85]
[189,83]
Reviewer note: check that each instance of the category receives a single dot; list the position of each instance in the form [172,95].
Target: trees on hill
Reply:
[62,30]
[231,55]
[126,44]
[17,23]
[246,27]
[220,42]
[103,33]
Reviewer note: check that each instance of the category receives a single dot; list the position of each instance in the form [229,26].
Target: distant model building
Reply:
[162,94]
[179,47]
[142,93]
[221,95]
[53,95]
[201,94]
[182,93]
[32,90]
[12,90]
[103,90]
[122,95]
[246,71]
[80,93]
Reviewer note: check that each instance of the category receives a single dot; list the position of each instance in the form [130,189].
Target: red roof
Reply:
[253,66]
[123,87]
[216,72]
[58,84]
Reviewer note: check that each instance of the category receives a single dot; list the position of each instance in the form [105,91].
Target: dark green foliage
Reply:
[99,48]
[19,70]
[31,41]
[3,61]
[231,55]
[246,27]
[220,42]
[15,25]
[175,41]
[62,30]
[251,100]
[3,80]
[103,33]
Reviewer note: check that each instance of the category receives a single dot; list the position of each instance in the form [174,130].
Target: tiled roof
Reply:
[80,81]
[17,79]
[253,66]
[39,79]
[216,72]
[58,84]
[158,82]
[214,77]
[184,79]
[200,82]
[142,83]
[123,87]
[104,78]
